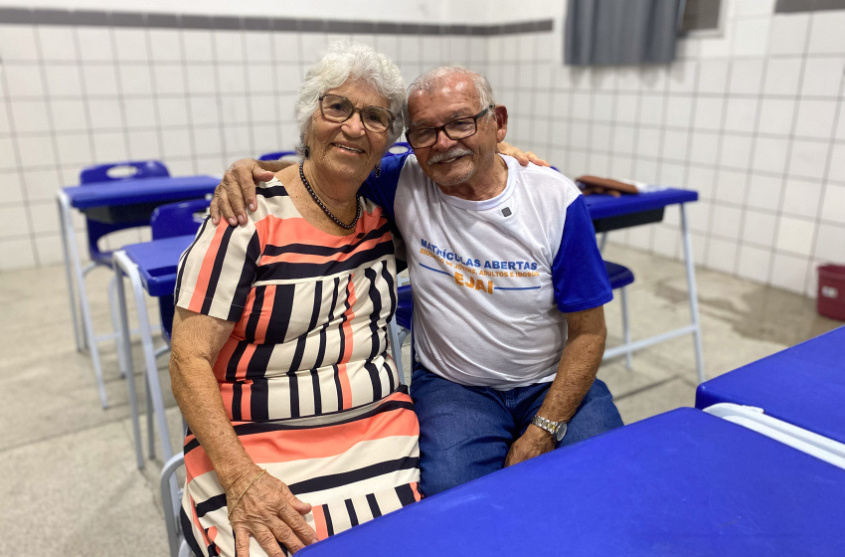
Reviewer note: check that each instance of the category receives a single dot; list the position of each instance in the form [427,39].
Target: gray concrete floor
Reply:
[67,469]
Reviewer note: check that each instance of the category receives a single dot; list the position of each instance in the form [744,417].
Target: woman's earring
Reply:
[306,152]
[378,170]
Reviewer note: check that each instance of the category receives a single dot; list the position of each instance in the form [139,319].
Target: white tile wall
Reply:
[751,119]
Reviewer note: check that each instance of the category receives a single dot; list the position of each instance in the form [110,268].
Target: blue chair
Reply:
[115,173]
[405,307]
[167,221]
[620,277]
[276,155]
[171,502]
[399,148]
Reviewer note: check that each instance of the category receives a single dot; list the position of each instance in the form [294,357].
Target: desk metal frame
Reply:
[143,193]
[155,280]
[604,212]
[155,402]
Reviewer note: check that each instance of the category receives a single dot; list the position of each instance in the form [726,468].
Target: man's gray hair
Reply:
[344,62]
[427,81]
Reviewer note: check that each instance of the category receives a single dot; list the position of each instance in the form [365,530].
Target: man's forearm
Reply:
[577,369]
[273,166]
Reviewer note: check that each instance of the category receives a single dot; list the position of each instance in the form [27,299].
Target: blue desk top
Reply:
[803,385]
[683,483]
[129,192]
[604,206]
[157,262]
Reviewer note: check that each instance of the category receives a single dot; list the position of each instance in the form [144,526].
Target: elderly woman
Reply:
[298,426]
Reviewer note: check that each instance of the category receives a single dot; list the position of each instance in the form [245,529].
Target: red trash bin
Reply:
[831,295]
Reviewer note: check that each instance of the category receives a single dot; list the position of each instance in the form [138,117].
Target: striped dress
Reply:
[305,376]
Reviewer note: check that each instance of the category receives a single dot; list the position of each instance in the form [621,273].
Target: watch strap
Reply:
[547,424]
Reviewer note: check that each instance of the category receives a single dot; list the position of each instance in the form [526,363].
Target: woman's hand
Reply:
[521,156]
[268,512]
[237,189]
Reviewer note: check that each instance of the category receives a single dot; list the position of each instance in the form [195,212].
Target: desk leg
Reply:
[125,355]
[153,384]
[693,294]
[66,226]
[88,326]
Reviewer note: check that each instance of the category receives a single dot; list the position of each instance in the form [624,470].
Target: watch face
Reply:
[560,432]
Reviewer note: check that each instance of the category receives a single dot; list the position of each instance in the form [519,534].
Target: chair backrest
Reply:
[126,170]
[398,148]
[276,155]
[115,172]
[167,221]
[171,497]
[177,219]
[405,306]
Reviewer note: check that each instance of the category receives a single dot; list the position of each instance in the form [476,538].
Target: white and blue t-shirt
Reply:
[491,278]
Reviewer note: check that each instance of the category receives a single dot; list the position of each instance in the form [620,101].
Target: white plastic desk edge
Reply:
[755,419]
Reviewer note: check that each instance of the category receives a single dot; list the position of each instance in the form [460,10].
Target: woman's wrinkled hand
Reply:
[237,190]
[521,156]
[268,512]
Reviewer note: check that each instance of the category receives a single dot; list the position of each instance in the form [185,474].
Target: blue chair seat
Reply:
[619,275]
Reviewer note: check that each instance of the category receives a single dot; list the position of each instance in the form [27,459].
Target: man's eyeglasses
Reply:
[335,108]
[459,128]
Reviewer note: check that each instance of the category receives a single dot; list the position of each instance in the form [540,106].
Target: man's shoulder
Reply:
[546,182]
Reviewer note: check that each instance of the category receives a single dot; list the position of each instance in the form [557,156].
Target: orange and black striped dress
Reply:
[305,376]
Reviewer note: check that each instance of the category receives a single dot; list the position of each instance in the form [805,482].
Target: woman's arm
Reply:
[237,188]
[265,510]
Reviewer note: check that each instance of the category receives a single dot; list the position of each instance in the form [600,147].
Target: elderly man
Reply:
[508,287]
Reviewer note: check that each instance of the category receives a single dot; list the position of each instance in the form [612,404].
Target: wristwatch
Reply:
[557,429]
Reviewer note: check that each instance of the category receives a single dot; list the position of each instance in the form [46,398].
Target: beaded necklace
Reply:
[325,209]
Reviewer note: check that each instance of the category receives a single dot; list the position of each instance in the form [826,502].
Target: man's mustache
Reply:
[450,154]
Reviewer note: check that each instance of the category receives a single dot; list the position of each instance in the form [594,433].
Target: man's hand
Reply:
[521,156]
[238,189]
[534,442]
[270,513]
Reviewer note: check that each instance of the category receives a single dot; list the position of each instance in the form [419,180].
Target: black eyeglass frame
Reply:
[355,109]
[442,128]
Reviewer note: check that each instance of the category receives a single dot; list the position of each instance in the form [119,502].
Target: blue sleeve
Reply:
[578,272]
[382,190]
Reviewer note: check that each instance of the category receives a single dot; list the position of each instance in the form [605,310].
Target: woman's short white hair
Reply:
[343,62]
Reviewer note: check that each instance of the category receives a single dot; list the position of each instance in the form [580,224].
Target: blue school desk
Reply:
[684,483]
[151,268]
[613,213]
[126,200]
[803,385]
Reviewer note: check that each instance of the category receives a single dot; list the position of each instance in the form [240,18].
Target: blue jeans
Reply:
[466,432]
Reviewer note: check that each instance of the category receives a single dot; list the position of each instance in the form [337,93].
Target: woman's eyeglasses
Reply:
[335,108]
